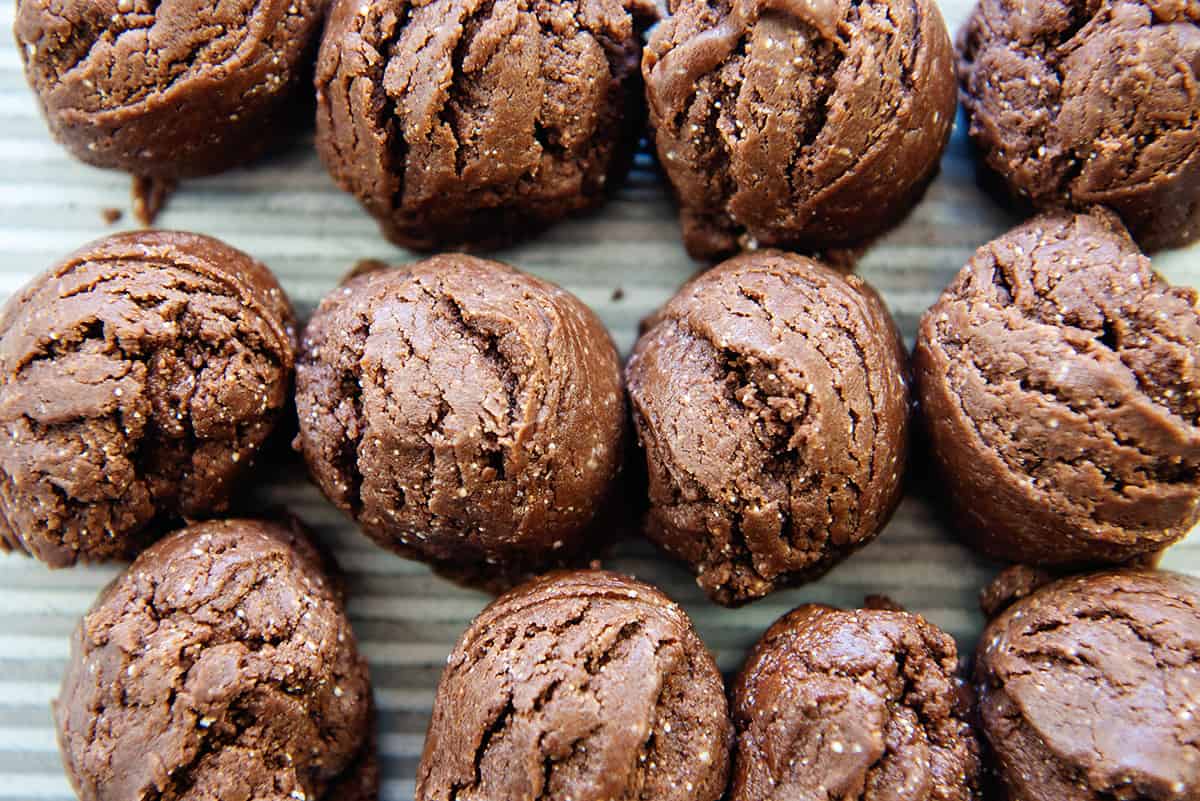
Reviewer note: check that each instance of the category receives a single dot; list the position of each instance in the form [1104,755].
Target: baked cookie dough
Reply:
[1088,689]
[863,704]
[465,414]
[770,398]
[166,90]
[1091,103]
[801,124]
[138,380]
[478,123]
[219,665]
[1059,377]
[583,685]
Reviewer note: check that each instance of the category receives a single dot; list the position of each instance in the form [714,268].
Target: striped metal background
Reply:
[287,213]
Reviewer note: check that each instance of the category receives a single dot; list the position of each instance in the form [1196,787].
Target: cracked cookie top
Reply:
[1060,379]
[138,380]
[461,122]
[1085,102]
[863,704]
[803,124]
[770,397]
[464,413]
[1088,689]
[584,685]
[168,88]
[220,664]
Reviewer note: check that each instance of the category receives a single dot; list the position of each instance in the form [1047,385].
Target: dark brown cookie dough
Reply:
[1081,103]
[1059,377]
[804,124]
[770,397]
[138,379]
[166,90]
[1088,690]
[1011,585]
[463,413]
[847,705]
[586,686]
[464,122]
[220,665]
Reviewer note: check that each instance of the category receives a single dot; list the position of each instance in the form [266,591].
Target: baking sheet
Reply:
[287,212]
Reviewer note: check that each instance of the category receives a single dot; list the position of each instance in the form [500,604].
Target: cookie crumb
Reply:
[1013,584]
[881,603]
[150,196]
[363,267]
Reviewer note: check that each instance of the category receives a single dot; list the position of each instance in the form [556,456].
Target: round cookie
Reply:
[1059,377]
[219,665]
[138,379]
[863,704]
[464,414]
[1087,689]
[477,123]
[166,90]
[770,398]
[1090,103]
[801,124]
[584,685]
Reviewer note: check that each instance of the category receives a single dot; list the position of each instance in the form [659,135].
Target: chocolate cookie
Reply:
[463,413]
[1060,381]
[138,379]
[805,124]
[475,122]
[219,665]
[1091,103]
[1088,689]
[166,90]
[863,704]
[770,397]
[585,685]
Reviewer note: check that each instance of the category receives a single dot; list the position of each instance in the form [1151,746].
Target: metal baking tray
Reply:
[623,261]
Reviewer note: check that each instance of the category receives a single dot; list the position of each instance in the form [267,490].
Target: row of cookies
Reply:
[224,654]
[474,417]
[805,125]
